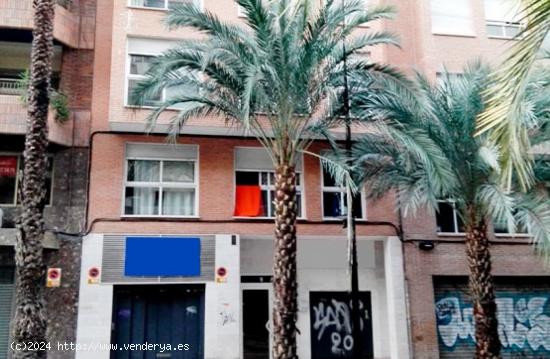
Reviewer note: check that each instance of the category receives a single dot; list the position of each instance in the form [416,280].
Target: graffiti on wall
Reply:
[331,325]
[524,321]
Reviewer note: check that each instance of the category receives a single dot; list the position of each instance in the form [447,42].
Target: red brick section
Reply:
[514,257]
[216,192]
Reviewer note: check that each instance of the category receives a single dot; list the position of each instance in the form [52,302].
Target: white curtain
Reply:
[178,202]
[145,199]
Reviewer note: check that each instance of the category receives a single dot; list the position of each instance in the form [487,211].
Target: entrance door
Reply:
[6,300]
[256,324]
[171,316]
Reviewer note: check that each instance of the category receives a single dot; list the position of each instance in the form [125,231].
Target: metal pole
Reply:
[352,238]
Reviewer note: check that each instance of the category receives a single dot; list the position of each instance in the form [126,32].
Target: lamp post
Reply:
[350,221]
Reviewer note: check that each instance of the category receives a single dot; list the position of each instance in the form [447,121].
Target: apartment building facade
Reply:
[67,152]
[148,196]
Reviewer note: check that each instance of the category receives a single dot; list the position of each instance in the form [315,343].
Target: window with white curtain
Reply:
[162,4]
[502,18]
[452,17]
[156,186]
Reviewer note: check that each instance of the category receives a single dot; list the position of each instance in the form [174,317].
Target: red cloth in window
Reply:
[248,201]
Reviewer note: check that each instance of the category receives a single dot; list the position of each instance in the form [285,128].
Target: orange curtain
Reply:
[248,202]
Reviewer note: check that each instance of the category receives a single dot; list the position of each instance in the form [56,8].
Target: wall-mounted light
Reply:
[426,245]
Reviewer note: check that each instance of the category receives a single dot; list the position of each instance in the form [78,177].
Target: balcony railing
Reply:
[9,87]
[503,29]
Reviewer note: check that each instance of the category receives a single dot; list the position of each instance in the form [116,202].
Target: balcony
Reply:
[18,15]
[13,115]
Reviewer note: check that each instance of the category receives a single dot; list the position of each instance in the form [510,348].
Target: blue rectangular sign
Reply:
[162,256]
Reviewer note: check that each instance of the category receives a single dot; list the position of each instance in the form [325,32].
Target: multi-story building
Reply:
[67,151]
[172,256]
[153,204]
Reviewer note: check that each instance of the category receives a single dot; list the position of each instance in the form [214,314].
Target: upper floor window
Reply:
[502,18]
[162,4]
[255,184]
[139,65]
[452,17]
[161,180]
[335,199]
[141,55]
[11,168]
[447,218]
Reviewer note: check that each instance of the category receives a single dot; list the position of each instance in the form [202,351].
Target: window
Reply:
[501,227]
[161,4]
[139,65]
[255,183]
[11,166]
[501,18]
[335,199]
[447,218]
[452,17]
[255,193]
[160,187]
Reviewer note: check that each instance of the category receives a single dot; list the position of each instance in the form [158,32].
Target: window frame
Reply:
[18,175]
[160,185]
[452,202]
[471,32]
[129,76]
[198,3]
[336,189]
[268,188]
[503,25]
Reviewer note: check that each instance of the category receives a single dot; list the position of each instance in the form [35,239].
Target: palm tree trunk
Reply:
[30,321]
[284,268]
[482,289]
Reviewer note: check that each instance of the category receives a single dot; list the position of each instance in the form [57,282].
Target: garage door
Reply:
[523,315]
[6,300]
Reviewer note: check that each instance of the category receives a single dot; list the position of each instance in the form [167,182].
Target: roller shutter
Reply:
[6,300]
[523,315]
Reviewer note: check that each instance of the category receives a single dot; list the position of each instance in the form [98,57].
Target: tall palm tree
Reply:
[424,145]
[30,322]
[500,117]
[277,75]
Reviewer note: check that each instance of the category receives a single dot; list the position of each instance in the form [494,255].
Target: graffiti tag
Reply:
[524,322]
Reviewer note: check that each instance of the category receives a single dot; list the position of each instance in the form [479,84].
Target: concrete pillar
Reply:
[397,301]
[223,303]
[93,334]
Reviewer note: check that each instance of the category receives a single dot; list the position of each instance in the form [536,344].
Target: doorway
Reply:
[256,322]
[169,319]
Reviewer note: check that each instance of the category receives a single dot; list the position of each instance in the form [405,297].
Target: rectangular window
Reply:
[255,193]
[335,199]
[160,180]
[161,4]
[255,183]
[502,18]
[501,227]
[447,218]
[11,167]
[139,65]
[452,17]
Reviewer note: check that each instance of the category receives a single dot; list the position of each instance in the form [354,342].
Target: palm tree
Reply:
[500,117]
[277,76]
[424,145]
[29,321]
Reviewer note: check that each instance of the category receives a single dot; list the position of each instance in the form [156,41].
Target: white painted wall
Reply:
[223,304]
[396,299]
[94,305]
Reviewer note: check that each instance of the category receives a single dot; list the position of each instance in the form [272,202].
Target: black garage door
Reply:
[158,314]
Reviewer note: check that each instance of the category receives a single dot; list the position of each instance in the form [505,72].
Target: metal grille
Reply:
[523,314]
[6,298]
[113,262]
